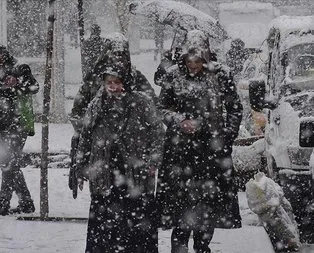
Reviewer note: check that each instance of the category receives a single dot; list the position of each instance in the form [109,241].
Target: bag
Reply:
[27,117]
[267,200]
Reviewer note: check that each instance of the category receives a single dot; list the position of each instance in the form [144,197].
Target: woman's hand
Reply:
[189,126]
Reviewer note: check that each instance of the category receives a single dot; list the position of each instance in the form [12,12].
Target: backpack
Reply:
[27,117]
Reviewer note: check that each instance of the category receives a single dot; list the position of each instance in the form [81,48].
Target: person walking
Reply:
[91,49]
[119,152]
[236,56]
[202,112]
[17,122]
[116,48]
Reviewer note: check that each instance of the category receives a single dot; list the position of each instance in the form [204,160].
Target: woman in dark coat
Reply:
[119,150]
[202,112]
[116,46]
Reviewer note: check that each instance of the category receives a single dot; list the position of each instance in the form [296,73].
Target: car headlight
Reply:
[299,156]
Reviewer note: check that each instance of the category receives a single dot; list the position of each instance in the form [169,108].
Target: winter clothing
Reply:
[119,149]
[91,49]
[196,190]
[115,52]
[15,82]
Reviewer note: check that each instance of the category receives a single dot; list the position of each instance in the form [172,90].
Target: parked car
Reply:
[288,97]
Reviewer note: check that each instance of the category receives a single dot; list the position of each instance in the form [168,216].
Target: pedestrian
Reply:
[91,49]
[202,112]
[116,46]
[236,56]
[17,122]
[119,151]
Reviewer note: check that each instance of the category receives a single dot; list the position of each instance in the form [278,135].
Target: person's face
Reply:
[194,64]
[113,86]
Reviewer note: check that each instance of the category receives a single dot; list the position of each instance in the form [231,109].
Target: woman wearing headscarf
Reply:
[202,112]
[119,151]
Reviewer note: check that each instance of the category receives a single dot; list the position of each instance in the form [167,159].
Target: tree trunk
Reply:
[58,112]
[44,206]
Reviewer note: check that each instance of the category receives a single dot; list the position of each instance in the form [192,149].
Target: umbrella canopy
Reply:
[180,15]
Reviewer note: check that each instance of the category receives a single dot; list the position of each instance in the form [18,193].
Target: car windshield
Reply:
[301,62]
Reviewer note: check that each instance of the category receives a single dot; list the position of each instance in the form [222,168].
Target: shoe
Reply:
[4,207]
[24,207]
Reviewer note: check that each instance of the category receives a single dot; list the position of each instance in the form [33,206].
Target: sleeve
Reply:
[85,142]
[156,130]
[232,104]
[143,85]
[167,104]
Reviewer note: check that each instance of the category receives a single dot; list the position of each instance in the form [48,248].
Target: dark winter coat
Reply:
[138,82]
[197,168]
[120,135]
[91,49]
[16,81]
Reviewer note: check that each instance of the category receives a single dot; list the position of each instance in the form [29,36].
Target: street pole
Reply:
[81,27]
[44,205]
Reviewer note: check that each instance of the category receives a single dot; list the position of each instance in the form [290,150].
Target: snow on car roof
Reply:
[288,24]
[291,40]
[246,6]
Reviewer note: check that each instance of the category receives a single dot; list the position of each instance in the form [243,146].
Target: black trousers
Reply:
[120,224]
[13,179]
[199,220]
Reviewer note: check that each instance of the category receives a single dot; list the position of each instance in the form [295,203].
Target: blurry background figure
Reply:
[17,84]
[159,40]
[91,49]
[236,56]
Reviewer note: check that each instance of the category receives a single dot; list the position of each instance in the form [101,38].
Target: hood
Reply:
[9,60]
[115,59]
[197,44]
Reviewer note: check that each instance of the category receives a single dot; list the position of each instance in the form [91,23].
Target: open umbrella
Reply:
[180,15]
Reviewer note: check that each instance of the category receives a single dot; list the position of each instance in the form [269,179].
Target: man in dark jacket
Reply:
[16,81]
[119,150]
[91,48]
[202,112]
[116,47]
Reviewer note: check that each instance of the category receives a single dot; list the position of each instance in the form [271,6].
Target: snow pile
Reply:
[248,158]
[267,200]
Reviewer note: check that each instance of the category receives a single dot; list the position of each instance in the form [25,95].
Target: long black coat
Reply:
[123,135]
[197,168]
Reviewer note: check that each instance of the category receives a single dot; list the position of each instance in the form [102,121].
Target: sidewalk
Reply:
[68,237]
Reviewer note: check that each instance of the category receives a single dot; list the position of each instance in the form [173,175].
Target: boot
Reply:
[4,207]
[26,206]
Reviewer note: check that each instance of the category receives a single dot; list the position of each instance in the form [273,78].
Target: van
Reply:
[287,98]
